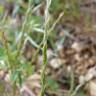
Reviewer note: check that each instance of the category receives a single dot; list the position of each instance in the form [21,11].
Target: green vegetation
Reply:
[31,28]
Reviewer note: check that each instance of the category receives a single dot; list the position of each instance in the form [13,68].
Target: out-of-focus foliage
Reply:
[69,9]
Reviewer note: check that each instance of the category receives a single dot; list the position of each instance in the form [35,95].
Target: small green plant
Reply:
[11,49]
[46,28]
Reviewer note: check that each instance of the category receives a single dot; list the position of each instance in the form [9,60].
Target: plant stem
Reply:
[43,75]
[23,31]
[71,82]
[8,52]
[46,27]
